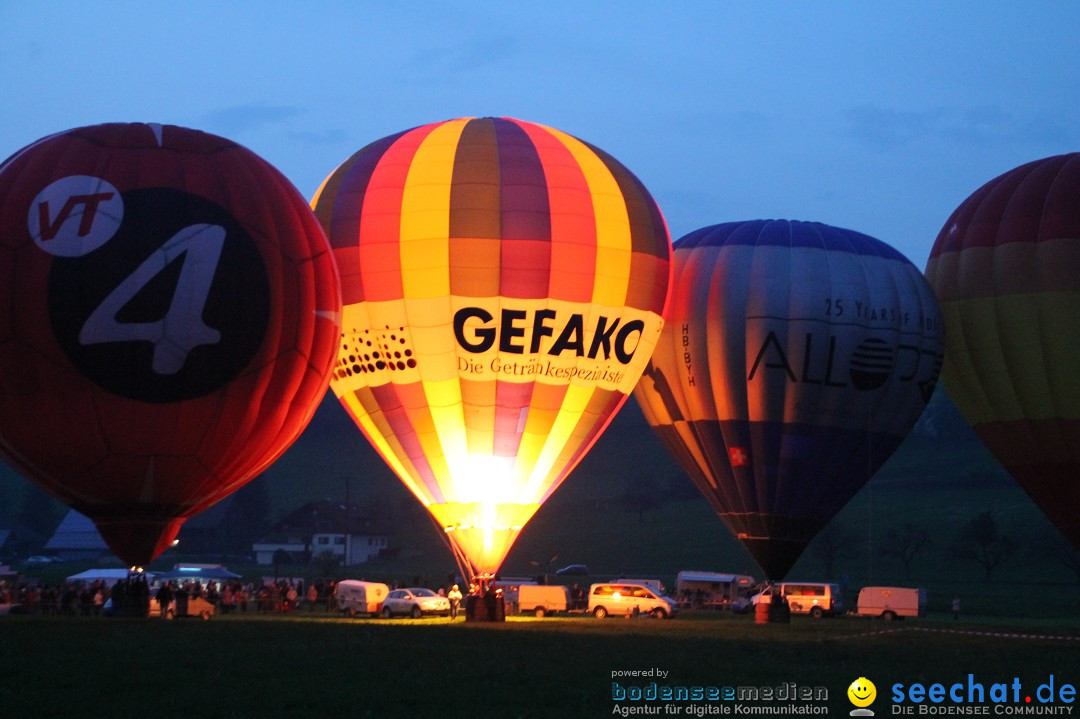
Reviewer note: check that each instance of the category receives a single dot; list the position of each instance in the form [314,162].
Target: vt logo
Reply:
[75,215]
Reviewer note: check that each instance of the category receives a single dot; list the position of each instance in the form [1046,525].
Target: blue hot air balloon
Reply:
[795,359]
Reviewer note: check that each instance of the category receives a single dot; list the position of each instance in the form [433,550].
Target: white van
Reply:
[541,599]
[891,602]
[654,584]
[622,599]
[817,599]
[356,597]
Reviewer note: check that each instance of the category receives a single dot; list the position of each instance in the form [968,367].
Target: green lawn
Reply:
[315,666]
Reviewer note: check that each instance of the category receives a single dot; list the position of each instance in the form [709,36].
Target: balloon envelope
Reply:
[169,325]
[795,359]
[503,284]
[1006,267]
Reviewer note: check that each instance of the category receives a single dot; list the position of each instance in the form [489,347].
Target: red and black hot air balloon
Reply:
[170,314]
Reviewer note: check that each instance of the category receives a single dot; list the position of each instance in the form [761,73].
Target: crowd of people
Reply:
[92,598]
[133,596]
[70,599]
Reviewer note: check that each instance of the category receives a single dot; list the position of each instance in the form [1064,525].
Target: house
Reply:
[323,527]
[76,538]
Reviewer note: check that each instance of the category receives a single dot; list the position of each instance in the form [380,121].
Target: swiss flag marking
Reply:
[738,456]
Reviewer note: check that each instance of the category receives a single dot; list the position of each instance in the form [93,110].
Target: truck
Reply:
[357,597]
[542,599]
[891,602]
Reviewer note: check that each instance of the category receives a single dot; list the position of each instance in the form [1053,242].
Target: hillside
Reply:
[939,479]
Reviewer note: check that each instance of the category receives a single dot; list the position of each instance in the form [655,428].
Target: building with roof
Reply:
[323,527]
[76,538]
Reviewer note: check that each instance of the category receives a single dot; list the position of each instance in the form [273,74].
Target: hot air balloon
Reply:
[170,319]
[1006,268]
[503,285]
[795,359]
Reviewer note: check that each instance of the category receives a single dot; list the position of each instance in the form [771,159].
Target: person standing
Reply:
[164,598]
[454,595]
[227,598]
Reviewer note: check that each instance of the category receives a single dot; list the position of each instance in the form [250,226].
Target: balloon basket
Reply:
[131,596]
[772,613]
[485,608]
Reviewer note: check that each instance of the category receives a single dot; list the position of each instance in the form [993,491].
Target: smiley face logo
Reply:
[862,692]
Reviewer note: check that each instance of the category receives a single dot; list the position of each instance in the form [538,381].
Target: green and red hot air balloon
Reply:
[1006,267]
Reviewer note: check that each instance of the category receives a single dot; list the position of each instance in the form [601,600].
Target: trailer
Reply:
[891,602]
[542,599]
[713,590]
[355,597]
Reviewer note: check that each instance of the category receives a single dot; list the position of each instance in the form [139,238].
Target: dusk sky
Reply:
[878,117]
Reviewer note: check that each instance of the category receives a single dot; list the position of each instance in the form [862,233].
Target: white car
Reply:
[414,602]
[41,559]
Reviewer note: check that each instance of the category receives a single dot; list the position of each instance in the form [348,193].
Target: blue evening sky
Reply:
[876,116]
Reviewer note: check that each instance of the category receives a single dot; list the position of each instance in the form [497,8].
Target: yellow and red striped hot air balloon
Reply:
[504,286]
[1006,268]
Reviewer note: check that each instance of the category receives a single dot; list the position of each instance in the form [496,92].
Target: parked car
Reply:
[622,599]
[654,584]
[39,559]
[414,602]
[817,599]
[579,570]
[186,607]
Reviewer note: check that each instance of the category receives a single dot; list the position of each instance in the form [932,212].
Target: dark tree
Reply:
[983,543]
[830,545]
[905,543]
[642,494]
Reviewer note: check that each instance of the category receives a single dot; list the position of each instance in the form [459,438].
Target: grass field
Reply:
[313,666]
[305,665]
